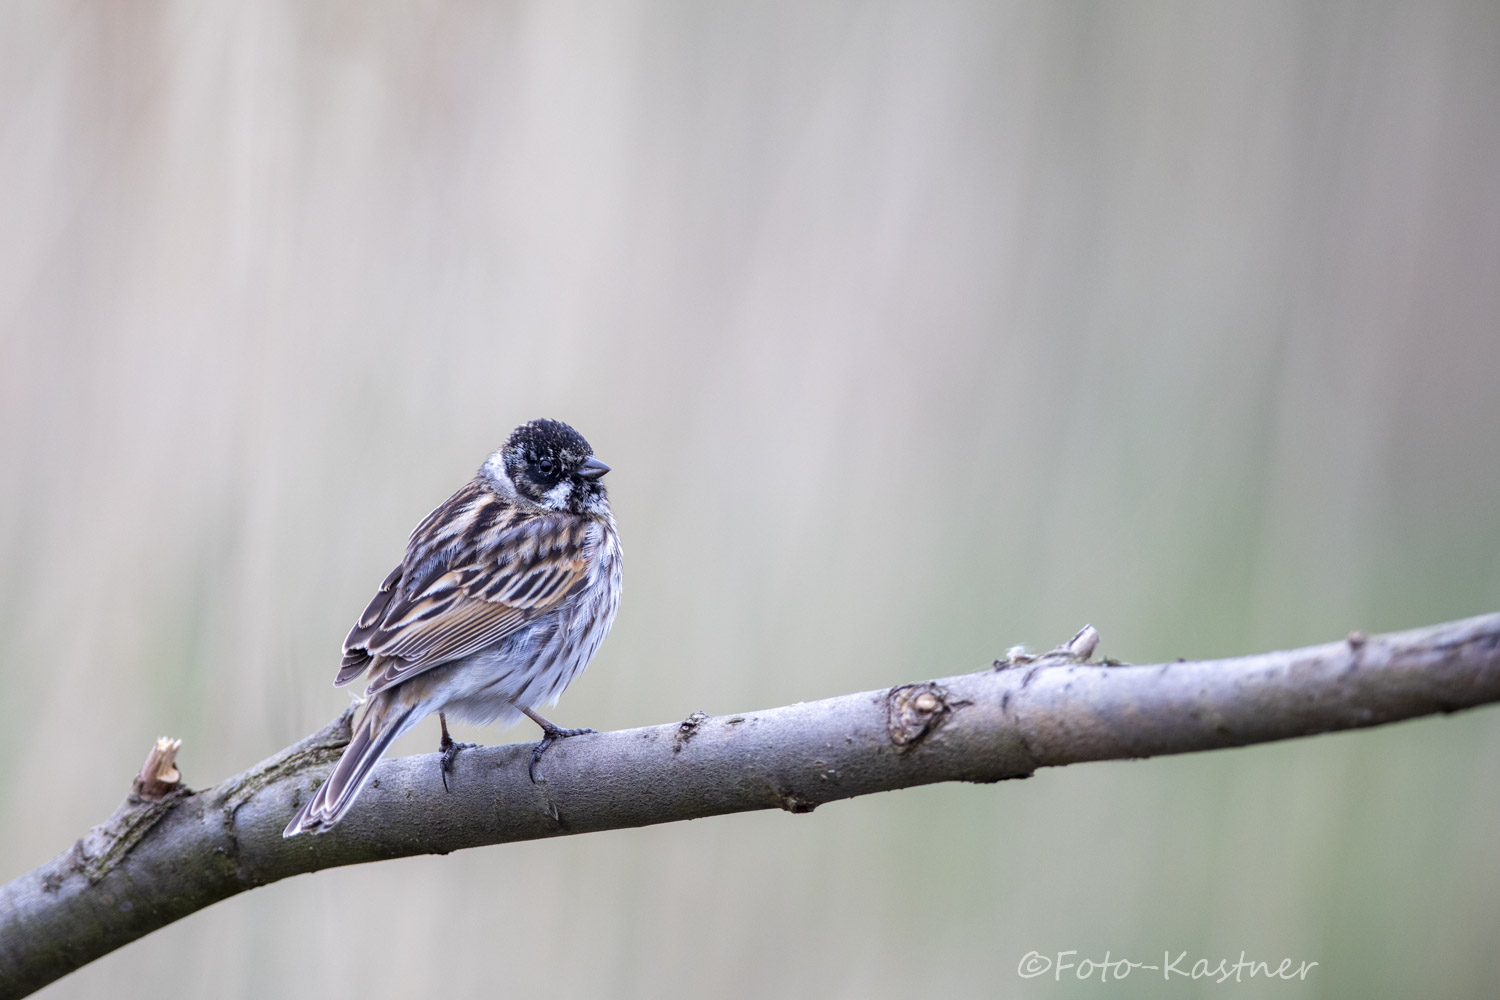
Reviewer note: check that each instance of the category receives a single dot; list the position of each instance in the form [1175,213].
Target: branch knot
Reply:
[913,711]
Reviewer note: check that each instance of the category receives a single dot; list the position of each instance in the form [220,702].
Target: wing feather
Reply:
[476,569]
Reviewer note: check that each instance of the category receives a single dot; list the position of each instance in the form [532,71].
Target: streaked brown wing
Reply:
[356,656]
[477,578]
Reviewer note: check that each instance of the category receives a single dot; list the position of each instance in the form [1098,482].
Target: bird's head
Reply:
[550,464]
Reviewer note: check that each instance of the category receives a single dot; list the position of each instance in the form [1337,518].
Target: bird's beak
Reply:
[592,468]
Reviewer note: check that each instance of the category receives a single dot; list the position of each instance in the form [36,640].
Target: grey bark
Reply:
[155,861]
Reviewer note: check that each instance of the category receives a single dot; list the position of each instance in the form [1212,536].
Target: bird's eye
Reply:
[546,466]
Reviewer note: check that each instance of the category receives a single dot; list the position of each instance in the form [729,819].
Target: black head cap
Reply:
[548,437]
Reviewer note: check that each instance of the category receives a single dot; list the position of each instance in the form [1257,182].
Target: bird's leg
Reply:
[550,734]
[449,749]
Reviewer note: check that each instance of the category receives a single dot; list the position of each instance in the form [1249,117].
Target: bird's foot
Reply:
[551,733]
[449,748]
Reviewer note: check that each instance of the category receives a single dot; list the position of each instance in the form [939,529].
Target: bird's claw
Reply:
[448,750]
[550,735]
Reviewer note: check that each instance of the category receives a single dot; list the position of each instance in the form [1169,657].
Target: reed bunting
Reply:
[504,595]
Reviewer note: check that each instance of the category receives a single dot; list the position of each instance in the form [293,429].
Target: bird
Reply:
[505,593]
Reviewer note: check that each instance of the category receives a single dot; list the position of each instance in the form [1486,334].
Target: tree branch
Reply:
[168,852]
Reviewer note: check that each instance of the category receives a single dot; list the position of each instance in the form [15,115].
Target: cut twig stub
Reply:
[159,776]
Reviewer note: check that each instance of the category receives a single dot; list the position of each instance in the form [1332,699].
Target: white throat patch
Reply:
[557,497]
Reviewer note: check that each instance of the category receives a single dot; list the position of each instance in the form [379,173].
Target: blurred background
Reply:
[912,331]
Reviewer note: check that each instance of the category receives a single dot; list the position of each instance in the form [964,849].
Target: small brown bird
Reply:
[504,595]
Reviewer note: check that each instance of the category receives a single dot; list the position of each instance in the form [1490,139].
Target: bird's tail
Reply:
[379,724]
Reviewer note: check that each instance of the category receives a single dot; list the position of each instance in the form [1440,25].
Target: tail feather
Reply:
[376,730]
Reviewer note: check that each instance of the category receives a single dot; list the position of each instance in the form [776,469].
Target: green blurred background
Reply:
[912,331]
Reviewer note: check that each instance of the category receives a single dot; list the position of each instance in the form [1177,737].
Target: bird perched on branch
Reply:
[504,595]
